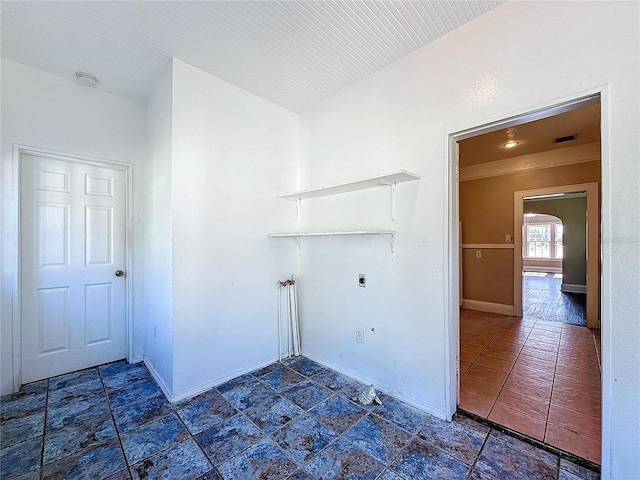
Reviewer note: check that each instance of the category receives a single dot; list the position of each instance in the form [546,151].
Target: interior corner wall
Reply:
[158,291]
[400,117]
[47,112]
[232,154]
[486,213]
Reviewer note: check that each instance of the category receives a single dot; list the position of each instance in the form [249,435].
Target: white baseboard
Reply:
[573,288]
[489,307]
[158,379]
[543,269]
[430,409]
[214,382]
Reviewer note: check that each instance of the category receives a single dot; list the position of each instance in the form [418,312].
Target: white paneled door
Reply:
[72,266]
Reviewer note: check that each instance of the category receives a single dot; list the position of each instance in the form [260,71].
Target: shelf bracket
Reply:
[392,186]
[392,240]
[299,205]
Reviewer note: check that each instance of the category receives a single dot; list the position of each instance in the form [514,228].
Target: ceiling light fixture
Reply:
[511,133]
[86,79]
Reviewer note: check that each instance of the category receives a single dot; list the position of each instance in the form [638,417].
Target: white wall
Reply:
[45,111]
[158,289]
[232,154]
[517,57]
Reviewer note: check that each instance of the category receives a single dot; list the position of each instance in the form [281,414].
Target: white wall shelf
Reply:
[298,235]
[389,180]
[323,234]
[383,180]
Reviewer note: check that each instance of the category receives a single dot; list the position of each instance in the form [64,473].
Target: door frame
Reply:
[124,167]
[451,226]
[593,244]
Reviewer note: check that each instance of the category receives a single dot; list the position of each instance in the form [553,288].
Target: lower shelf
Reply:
[321,234]
[298,235]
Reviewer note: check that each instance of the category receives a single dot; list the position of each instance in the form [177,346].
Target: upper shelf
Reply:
[324,234]
[391,179]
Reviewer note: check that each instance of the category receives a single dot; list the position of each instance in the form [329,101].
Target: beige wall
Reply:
[486,213]
[490,278]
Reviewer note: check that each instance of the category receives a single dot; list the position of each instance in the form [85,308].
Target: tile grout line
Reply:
[44,431]
[598,356]
[573,410]
[493,403]
[191,437]
[510,369]
[475,462]
[115,425]
[553,385]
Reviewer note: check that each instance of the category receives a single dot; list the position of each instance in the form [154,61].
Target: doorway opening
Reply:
[540,377]
[545,295]
[578,207]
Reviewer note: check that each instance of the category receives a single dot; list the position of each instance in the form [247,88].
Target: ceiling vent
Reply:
[567,138]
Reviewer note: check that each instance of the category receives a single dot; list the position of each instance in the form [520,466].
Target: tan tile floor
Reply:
[538,378]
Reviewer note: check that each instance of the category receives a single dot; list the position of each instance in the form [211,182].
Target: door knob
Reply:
[119,273]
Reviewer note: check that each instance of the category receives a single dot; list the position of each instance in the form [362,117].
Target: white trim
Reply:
[158,379]
[127,169]
[430,409]
[566,104]
[452,262]
[16,320]
[573,288]
[499,308]
[589,152]
[488,246]
[606,313]
[542,269]
[214,382]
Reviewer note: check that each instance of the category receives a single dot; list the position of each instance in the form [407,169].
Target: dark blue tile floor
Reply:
[294,420]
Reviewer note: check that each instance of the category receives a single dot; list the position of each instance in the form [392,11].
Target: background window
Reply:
[543,240]
[538,241]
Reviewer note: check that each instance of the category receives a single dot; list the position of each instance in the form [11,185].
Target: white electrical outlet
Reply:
[478,253]
[507,239]
[360,336]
